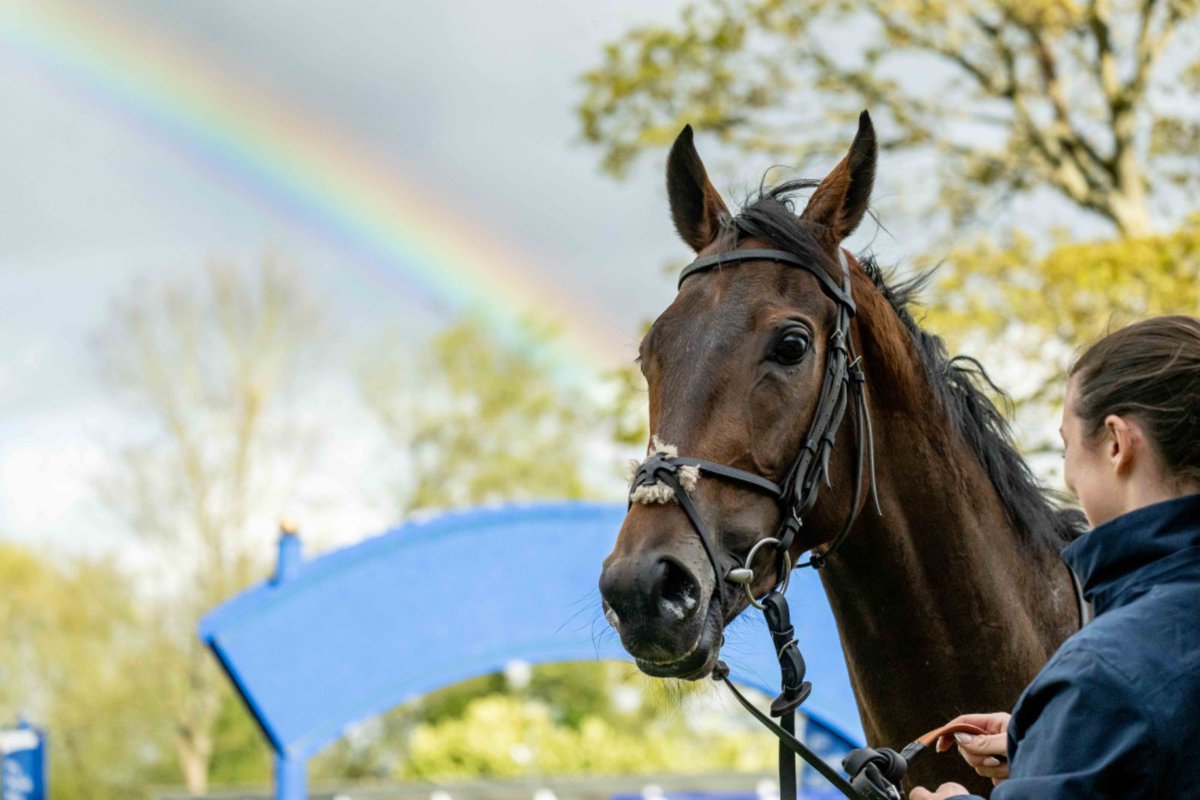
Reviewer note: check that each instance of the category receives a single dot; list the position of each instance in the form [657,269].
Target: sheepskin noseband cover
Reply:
[659,492]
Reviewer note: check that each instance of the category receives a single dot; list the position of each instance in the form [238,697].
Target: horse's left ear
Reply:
[840,202]
[696,207]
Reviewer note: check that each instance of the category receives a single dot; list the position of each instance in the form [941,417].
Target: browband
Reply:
[782,256]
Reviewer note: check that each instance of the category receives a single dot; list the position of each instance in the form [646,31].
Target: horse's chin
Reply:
[699,660]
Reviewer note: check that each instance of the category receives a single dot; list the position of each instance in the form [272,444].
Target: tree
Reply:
[505,736]
[562,719]
[1088,101]
[203,368]
[1044,306]
[1091,99]
[481,421]
[73,657]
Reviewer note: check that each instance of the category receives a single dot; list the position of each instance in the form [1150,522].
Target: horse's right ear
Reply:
[695,205]
[840,202]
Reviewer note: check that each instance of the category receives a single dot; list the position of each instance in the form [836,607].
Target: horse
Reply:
[950,595]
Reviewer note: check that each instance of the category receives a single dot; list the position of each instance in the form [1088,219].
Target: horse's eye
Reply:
[791,347]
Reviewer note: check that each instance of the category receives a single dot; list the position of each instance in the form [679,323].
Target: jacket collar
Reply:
[1121,558]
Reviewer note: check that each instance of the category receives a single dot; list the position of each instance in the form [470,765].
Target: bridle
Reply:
[796,495]
[874,773]
[842,386]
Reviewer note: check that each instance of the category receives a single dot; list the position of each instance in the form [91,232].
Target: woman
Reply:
[1116,711]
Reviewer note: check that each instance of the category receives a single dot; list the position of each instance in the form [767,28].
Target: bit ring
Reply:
[787,570]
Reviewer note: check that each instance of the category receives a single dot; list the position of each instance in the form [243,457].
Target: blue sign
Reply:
[353,633]
[22,763]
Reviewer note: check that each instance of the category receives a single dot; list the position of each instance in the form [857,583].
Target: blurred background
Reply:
[355,262]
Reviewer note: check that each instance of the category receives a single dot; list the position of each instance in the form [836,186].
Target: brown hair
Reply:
[1151,371]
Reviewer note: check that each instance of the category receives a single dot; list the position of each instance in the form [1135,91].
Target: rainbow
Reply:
[285,157]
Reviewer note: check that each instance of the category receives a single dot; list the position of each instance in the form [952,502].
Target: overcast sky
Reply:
[471,100]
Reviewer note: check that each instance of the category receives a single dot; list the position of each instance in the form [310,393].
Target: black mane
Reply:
[957,382]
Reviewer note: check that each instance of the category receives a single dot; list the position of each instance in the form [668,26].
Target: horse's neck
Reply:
[941,607]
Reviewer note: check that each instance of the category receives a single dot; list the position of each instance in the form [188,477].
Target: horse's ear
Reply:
[695,205]
[840,202]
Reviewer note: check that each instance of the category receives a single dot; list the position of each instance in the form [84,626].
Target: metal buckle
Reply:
[745,575]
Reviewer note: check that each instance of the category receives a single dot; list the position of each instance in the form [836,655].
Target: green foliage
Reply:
[577,718]
[72,656]
[1006,95]
[1031,310]
[241,755]
[627,410]
[1070,295]
[552,729]
[482,421]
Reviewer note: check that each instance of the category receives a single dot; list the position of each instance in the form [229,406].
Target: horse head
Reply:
[736,369]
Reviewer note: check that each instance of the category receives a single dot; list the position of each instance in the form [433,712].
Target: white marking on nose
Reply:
[613,619]
[677,609]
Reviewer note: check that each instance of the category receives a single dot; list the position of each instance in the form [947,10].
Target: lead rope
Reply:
[790,744]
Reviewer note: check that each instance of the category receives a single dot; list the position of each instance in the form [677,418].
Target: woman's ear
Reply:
[1122,443]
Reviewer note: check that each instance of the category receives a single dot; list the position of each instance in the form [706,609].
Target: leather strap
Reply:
[812,465]
[732,473]
[710,548]
[791,743]
[953,727]
[922,743]
[787,759]
[783,257]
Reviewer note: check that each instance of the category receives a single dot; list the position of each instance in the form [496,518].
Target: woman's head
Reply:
[1131,422]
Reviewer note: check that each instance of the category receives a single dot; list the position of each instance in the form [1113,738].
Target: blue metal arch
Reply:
[358,631]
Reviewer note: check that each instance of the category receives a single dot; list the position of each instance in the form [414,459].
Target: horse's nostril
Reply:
[678,593]
[648,593]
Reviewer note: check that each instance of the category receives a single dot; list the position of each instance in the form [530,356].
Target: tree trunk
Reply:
[1130,213]
[1128,199]
[195,754]
[197,719]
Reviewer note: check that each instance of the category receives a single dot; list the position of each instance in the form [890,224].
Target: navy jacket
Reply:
[1116,711]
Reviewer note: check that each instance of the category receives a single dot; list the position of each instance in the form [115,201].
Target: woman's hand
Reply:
[946,790]
[987,754]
